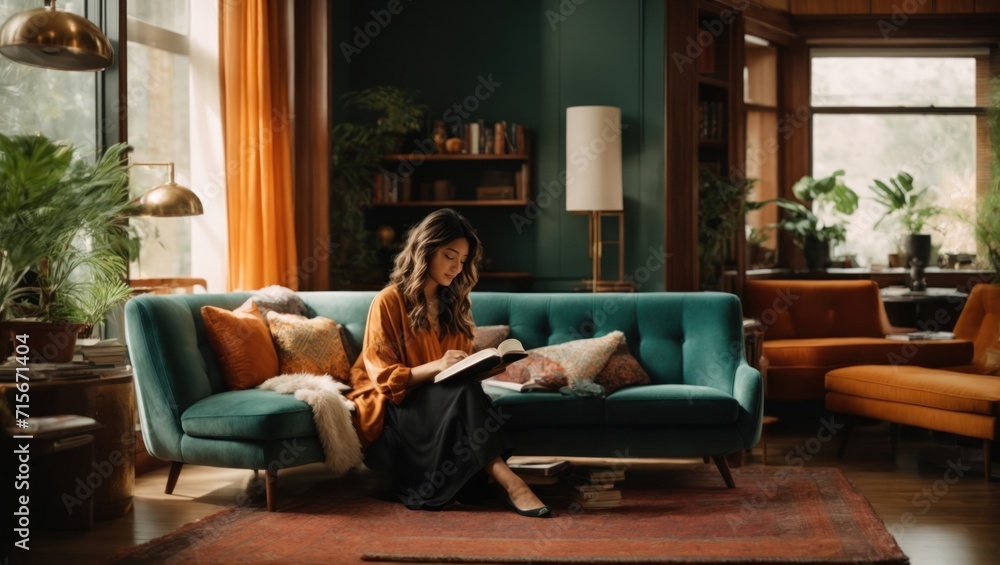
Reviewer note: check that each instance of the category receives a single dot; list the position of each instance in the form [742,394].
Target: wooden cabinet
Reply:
[721,124]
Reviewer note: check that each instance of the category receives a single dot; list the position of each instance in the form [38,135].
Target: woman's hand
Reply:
[426,372]
[451,357]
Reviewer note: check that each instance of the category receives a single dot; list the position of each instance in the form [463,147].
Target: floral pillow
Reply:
[621,370]
[309,345]
[486,337]
[556,366]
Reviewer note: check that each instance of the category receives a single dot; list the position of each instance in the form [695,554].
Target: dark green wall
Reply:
[546,56]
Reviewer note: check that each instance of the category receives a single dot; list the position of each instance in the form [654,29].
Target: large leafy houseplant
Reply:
[63,241]
[358,151]
[823,197]
[907,204]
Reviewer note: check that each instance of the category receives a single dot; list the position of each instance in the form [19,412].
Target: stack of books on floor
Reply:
[547,473]
[596,487]
[101,351]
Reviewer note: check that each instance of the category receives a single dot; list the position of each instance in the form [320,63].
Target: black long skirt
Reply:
[435,444]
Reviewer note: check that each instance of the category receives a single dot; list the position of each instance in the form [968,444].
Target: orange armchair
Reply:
[813,327]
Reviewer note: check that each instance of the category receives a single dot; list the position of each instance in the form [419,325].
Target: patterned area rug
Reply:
[775,515]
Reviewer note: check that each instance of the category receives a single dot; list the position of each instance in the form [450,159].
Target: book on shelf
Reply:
[100,351]
[918,336]
[56,371]
[518,387]
[38,424]
[592,487]
[546,469]
[485,363]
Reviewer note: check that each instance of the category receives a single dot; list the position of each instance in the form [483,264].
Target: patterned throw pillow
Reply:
[242,344]
[621,370]
[556,366]
[485,337]
[309,345]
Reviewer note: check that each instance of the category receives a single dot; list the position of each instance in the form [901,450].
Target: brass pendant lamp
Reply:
[168,200]
[48,38]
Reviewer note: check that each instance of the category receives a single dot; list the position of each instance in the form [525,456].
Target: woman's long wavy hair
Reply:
[411,270]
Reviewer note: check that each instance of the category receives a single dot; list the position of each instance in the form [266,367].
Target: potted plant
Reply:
[910,208]
[63,242]
[721,203]
[358,150]
[830,197]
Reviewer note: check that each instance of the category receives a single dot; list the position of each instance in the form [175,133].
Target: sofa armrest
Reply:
[166,361]
[748,389]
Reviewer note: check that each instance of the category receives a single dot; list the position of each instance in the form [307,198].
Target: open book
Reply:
[916,336]
[519,387]
[486,362]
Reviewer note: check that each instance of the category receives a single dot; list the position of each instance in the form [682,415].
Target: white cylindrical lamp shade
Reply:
[593,158]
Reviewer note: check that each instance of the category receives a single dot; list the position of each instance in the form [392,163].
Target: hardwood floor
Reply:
[934,522]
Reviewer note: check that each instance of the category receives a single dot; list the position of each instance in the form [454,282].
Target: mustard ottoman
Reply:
[935,399]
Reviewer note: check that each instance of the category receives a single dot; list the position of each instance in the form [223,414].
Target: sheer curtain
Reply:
[257,129]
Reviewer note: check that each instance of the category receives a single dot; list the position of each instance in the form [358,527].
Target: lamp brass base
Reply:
[587,285]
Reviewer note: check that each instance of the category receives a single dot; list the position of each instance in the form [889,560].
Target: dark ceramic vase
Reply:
[817,253]
[918,246]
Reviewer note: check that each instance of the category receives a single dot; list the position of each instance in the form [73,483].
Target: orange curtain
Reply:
[257,126]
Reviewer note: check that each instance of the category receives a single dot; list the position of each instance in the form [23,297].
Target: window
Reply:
[57,104]
[876,113]
[158,127]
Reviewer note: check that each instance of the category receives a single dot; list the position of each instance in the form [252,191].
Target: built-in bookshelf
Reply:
[469,177]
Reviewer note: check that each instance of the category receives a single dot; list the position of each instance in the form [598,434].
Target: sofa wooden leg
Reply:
[987,460]
[270,489]
[175,471]
[723,465]
[843,438]
[704,459]
[894,438]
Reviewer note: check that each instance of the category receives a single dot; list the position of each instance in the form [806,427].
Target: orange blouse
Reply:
[389,350]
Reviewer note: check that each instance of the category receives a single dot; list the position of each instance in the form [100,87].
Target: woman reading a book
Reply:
[439,442]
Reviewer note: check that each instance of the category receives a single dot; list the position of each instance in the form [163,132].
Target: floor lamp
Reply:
[594,183]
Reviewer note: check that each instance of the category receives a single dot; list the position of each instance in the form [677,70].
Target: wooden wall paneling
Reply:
[771,25]
[954,6]
[311,138]
[782,5]
[681,89]
[737,138]
[902,7]
[954,30]
[794,128]
[823,7]
[762,65]
[988,6]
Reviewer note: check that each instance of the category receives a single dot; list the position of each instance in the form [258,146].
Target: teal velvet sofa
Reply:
[704,399]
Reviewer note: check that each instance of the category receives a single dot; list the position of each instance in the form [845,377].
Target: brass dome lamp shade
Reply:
[48,38]
[167,200]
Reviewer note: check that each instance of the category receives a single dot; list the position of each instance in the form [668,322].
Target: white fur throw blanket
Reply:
[331,413]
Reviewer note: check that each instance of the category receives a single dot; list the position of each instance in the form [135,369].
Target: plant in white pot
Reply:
[912,210]
[63,241]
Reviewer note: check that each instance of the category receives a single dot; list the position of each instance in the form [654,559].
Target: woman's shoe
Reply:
[540,512]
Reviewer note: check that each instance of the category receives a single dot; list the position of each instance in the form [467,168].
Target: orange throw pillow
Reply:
[242,344]
[309,345]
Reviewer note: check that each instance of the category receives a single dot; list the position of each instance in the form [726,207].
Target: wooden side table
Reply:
[109,399]
[753,345]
